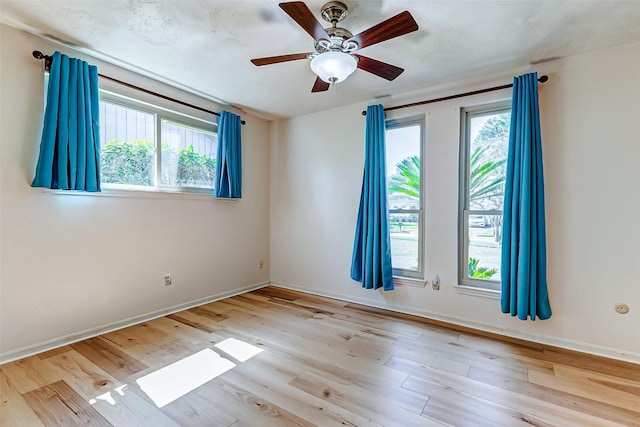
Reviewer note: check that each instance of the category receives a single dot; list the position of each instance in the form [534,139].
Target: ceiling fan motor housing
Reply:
[334,12]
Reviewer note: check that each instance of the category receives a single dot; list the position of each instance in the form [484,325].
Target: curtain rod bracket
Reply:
[47,66]
[47,59]
[541,79]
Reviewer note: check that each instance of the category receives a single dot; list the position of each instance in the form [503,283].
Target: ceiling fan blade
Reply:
[379,68]
[299,12]
[401,24]
[281,58]
[320,85]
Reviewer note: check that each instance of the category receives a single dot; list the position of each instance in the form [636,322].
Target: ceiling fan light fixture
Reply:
[334,67]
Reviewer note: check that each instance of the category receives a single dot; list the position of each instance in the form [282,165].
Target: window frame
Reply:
[160,114]
[404,275]
[464,211]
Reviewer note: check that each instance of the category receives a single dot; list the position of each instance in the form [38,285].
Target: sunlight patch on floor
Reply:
[107,397]
[239,350]
[174,381]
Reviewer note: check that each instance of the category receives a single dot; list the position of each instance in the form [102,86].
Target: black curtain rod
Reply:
[541,79]
[47,65]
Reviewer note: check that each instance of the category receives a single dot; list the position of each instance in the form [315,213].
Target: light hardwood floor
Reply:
[319,362]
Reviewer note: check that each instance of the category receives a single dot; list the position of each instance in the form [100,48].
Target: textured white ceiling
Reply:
[206,45]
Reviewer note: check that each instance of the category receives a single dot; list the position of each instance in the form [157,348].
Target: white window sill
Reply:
[478,292]
[406,281]
[151,193]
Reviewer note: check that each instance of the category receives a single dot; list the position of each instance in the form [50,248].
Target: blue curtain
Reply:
[229,159]
[70,145]
[524,253]
[371,260]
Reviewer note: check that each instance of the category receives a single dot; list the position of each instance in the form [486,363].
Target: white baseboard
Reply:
[90,333]
[551,341]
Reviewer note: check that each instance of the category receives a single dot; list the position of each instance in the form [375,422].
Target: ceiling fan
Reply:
[333,59]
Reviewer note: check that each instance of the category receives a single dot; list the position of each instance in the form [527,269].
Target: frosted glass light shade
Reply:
[333,67]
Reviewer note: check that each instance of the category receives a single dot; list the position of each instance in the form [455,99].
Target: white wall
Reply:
[74,263]
[589,115]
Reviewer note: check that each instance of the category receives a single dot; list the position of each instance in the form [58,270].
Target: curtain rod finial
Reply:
[37,54]
[543,79]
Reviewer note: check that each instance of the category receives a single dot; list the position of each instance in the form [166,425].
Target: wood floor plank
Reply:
[317,356]
[463,354]
[29,374]
[54,352]
[301,359]
[17,412]
[262,412]
[399,321]
[513,354]
[108,357]
[603,365]
[457,410]
[201,408]
[362,401]
[203,320]
[348,372]
[587,406]
[128,337]
[354,314]
[203,312]
[156,356]
[618,392]
[288,309]
[317,305]
[268,375]
[334,338]
[529,408]
[349,328]
[7,389]
[433,359]
[14,410]
[272,385]
[321,338]
[58,404]
[177,330]
[157,331]
[278,293]
[84,377]
[249,408]
[115,401]
[184,318]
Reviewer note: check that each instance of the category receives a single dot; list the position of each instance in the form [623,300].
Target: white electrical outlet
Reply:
[435,283]
[167,280]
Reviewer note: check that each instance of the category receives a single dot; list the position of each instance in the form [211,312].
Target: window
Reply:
[404,191]
[131,157]
[483,157]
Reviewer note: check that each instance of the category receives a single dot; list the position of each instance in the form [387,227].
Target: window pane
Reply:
[405,240]
[127,144]
[403,167]
[489,139]
[188,156]
[403,159]
[484,233]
